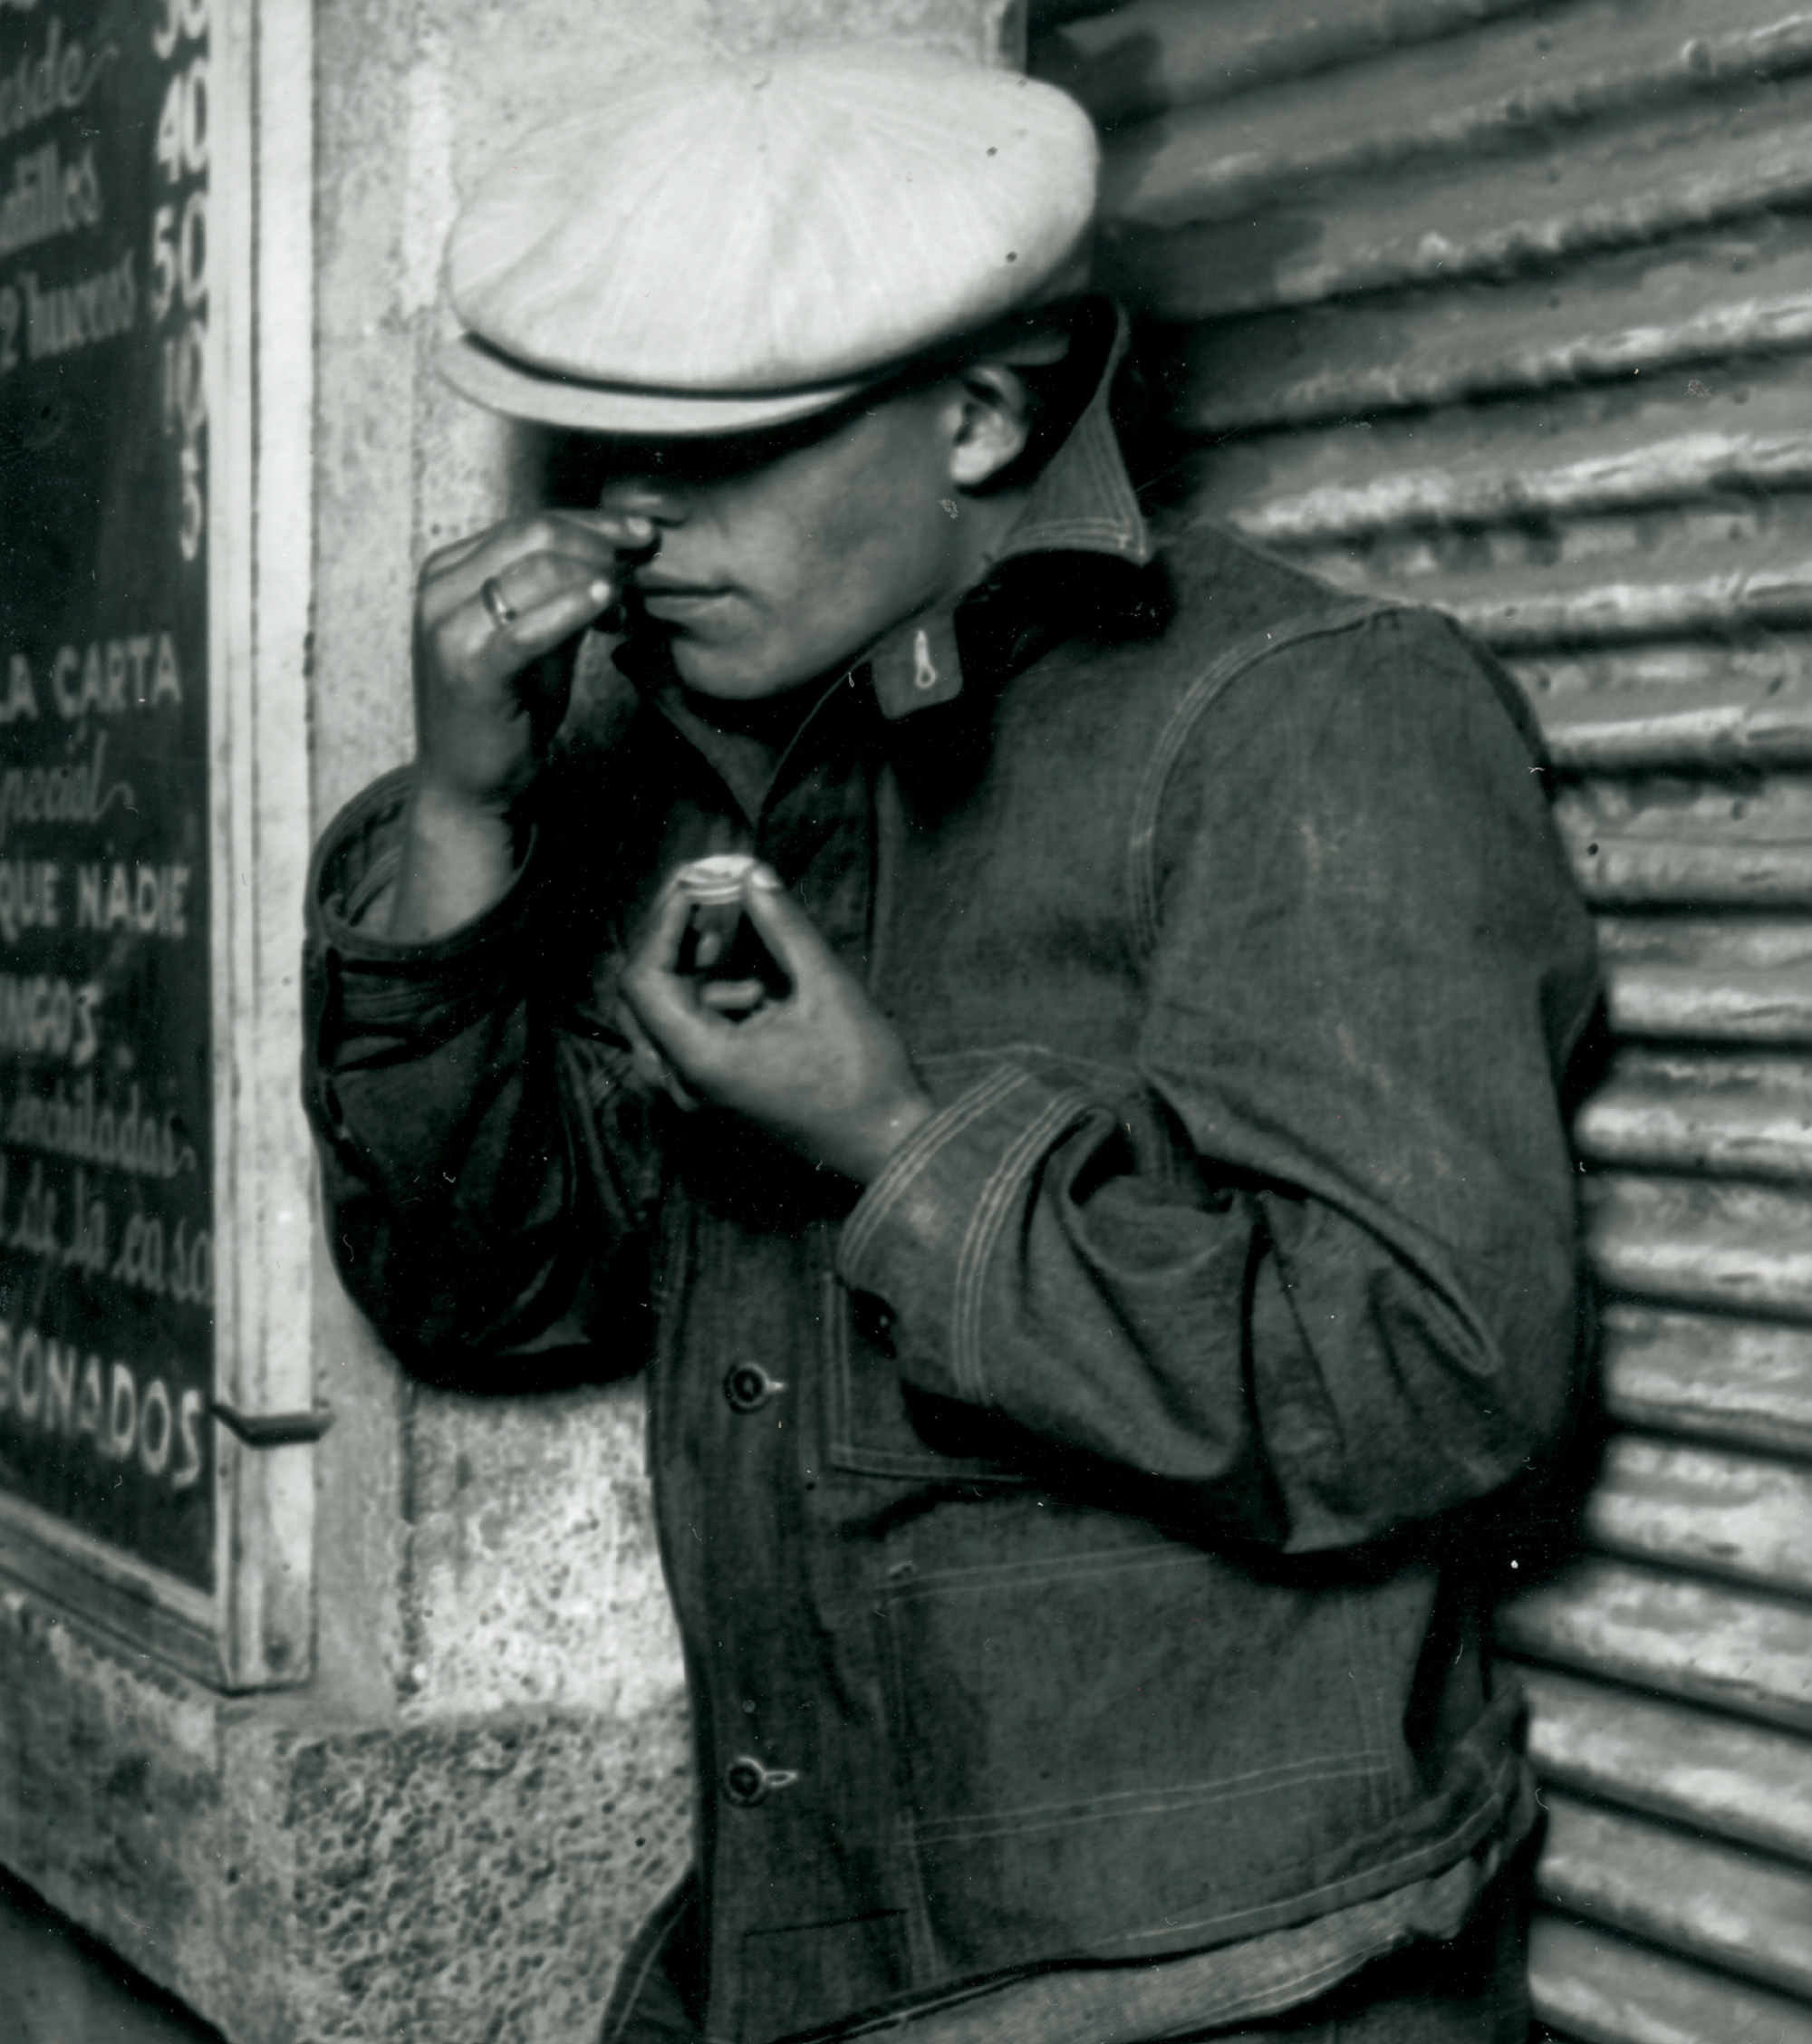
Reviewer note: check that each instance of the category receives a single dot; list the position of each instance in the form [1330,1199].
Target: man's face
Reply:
[782,556]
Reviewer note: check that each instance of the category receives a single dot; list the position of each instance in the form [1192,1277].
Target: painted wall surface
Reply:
[450,1832]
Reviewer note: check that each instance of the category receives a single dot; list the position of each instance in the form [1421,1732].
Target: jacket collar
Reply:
[1083,502]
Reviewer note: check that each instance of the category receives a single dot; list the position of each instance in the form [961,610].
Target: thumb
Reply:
[789,933]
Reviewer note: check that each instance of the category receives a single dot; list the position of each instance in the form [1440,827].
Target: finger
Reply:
[473,642]
[540,628]
[790,936]
[592,542]
[667,1003]
[649,1067]
[458,603]
[443,559]
[648,1061]
[466,561]
[530,581]
[687,1103]
[663,933]
[732,997]
[651,983]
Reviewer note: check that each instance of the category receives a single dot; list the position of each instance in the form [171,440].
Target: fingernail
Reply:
[599,592]
[765,876]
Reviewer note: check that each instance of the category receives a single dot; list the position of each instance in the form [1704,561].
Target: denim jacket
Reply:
[1073,1534]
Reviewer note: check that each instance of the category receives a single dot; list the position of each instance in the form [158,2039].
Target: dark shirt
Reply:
[1075,1535]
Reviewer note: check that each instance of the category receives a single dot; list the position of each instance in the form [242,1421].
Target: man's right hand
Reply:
[490,695]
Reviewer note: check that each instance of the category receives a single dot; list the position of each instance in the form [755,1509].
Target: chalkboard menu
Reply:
[106,1152]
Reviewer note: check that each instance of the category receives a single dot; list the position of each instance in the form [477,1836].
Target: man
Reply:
[1103,1232]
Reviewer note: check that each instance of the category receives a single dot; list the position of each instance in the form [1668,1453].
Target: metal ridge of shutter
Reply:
[1743,288]
[1747,1784]
[1703,1377]
[1517,66]
[1657,1630]
[1636,180]
[1606,1989]
[1706,1901]
[1130,62]
[1669,703]
[1599,448]
[1447,96]
[1712,1113]
[1720,1246]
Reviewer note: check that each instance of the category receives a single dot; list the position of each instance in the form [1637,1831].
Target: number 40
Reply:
[182,126]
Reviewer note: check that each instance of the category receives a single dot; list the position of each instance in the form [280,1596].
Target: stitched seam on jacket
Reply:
[983,1232]
[891,1186]
[979,1579]
[1141,874]
[1459,1838]
[1152,1802]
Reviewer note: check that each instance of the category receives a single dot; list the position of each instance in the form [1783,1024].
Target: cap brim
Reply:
[520,391]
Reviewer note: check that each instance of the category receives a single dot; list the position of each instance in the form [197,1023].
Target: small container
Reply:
[720,942]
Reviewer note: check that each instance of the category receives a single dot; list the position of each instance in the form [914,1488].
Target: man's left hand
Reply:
[820,1066]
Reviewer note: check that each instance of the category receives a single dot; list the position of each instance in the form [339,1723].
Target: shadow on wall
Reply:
[59,1987]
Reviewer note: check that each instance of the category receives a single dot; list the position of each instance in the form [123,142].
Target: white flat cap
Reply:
[724,247]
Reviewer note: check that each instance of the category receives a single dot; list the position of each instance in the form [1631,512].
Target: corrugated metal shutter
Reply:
[1508,307]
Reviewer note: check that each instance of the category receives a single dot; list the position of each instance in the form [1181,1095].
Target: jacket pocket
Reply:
[1124,1736]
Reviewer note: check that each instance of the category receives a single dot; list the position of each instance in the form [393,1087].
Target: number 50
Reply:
[179,255]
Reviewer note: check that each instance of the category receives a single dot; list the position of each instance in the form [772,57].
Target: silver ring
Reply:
[503,612]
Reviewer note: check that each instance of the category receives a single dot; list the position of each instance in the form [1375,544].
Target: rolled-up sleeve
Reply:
[484,1167]
[1326,1276]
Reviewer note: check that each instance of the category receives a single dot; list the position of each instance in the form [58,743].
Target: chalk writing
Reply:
[67,316]
[56,79]
[50,1386]
[107,677]
[150,902]
[106,819]
[30,891]
[68,1122]
[173,1263]
[47,197]
[61,794]
[46,1016]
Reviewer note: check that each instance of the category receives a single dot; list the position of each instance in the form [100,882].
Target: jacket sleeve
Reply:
[1323,1271]
[487,1176]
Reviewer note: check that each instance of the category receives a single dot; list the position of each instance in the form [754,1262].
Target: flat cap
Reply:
[720,246]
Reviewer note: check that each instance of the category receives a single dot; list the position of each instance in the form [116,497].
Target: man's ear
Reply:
[994,425]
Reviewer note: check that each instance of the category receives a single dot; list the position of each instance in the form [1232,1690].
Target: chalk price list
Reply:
[101,1185]
[178,253]
[106,1242]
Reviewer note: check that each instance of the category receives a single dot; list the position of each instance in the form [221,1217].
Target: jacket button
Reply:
[746,1782]
[747,1387]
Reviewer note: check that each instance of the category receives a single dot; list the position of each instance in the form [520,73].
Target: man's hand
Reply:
[491,612]
[820,1066]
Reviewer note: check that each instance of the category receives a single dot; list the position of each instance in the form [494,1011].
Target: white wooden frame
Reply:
[256,1629]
